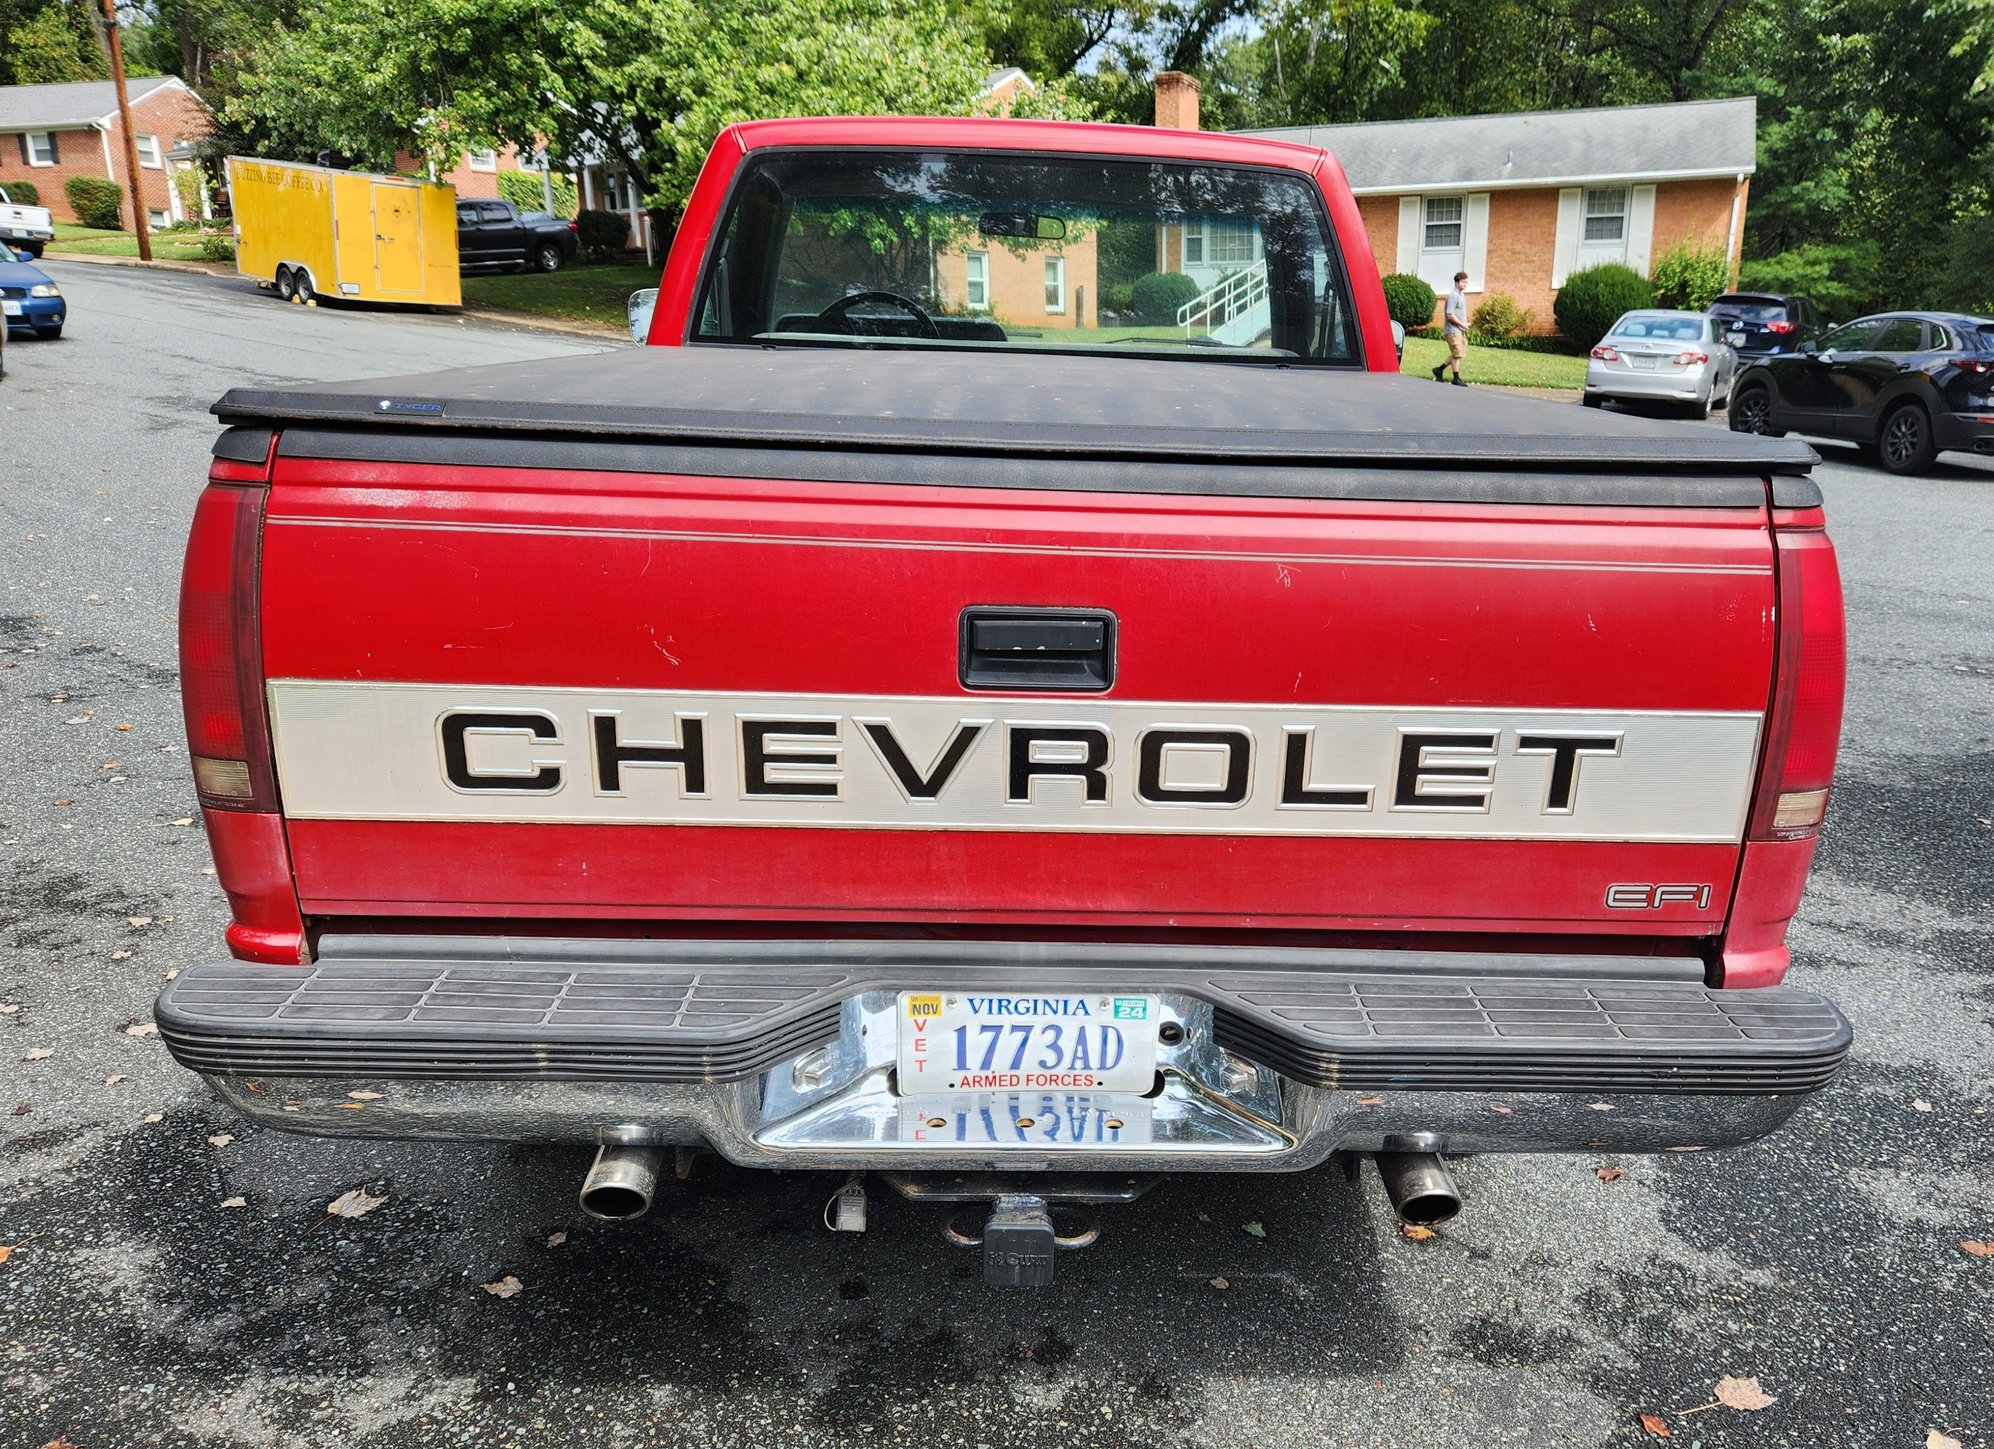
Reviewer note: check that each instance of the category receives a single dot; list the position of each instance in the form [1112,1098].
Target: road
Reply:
[139,1308]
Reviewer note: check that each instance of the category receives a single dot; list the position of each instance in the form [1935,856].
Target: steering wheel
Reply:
[835,316]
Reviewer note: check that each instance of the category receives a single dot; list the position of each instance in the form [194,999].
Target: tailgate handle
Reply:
[1029,648]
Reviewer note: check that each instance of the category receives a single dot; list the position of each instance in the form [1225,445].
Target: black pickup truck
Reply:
[497,234]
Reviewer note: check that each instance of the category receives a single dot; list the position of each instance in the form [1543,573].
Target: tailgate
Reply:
[662,693]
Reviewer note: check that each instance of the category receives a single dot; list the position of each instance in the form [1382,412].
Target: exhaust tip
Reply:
[1421,1190]
[621,1184]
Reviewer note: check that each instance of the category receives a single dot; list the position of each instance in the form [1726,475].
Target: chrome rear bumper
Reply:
[781,1054]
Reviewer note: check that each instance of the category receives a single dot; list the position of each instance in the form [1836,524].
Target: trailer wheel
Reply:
[287,284]
[303,281]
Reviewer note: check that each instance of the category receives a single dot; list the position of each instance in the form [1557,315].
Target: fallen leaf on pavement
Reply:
[183,820]
[1737,1393]
[1919,1104]
[554,1240]
[62,1444]
[6,1252]
[352,1106]
[121,955]
[1253,1230]
[35,1054]
[506,1287]
[138,920]
[8,1008]
[1221,1284]
[1979,1250]
[355,1204]
[1655,1424]
[114,1079]
[1505,1111]
[124,725]
[1414,1231]
[141,1028]
[235,1202]
[365,1096]
[78,719]
[1608,1174]
[221,1139]
[1600,1106]
[1936,1440]
[1370,1101]
[155,1117]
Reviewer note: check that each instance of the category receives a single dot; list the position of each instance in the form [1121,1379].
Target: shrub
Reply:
[215,246]
[95,201]
[525,191]
[1156,296]
[1118,297]
[1840,278]
[1688,277]
[602,233]
[1409,300]
[1592,300]
[1498,317]
[23,193]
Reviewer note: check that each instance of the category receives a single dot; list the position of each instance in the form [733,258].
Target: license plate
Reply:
[1644,364]
[1039,1120]
[1001,1042]
[11,309]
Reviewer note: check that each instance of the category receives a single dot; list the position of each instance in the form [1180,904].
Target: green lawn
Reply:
[172,246]
[1498,365]
[576,293]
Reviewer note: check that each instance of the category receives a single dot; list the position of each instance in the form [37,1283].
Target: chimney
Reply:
[1177,100]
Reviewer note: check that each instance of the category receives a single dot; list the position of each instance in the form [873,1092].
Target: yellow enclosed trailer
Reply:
[315,231]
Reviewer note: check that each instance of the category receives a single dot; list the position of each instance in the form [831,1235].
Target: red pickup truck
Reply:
[912,720]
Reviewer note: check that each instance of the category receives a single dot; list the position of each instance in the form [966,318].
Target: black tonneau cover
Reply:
[1144,425]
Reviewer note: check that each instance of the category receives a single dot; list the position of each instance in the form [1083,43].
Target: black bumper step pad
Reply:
[722,1012]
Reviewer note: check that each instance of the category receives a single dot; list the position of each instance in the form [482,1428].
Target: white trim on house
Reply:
[975,278]
[149,145]
[47,140]
[1055,286]
[168,83]
[483,159]
[1629,178]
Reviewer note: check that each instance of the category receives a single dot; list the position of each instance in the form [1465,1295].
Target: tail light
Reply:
[574,226]
[1806,723]
[1782,328]
[1603,353]
[1691,359]
[1803,730]
[1974,366]
[221,664]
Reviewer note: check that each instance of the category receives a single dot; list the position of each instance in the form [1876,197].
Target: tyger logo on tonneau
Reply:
[444,752]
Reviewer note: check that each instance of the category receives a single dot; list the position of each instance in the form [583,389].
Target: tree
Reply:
[646,84]
[46,43]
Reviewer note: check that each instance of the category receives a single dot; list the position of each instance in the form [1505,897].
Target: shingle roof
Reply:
[69,105]
[1539,148]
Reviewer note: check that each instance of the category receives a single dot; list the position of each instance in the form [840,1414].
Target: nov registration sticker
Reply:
[975,1042]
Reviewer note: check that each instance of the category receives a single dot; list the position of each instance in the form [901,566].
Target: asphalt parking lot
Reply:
[139,1307]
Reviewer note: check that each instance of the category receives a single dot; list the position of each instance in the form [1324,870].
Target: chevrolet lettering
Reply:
[883,727]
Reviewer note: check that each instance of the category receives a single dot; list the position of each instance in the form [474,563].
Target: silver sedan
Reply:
[1656,356]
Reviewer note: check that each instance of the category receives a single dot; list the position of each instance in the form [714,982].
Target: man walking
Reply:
[1455,329]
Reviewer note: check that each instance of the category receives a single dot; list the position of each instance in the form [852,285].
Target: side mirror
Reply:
[642,305]
[1398,339]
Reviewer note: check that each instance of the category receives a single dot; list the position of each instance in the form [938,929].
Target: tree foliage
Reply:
[44,42]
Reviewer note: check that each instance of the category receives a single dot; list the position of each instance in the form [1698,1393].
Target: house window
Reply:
[148,151]
[485,160]
[976,272]
[1606,215]
[1443,223]
[1194,244]
[39,147]
[1232,241]
[1055,284]
[157,219]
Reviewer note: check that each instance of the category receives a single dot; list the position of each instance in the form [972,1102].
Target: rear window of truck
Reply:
[983,250]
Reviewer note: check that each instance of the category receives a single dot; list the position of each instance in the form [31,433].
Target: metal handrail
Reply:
[1224,300]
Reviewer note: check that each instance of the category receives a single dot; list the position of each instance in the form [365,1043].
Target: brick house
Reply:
[1521,201]
[50,133]
[1024,286]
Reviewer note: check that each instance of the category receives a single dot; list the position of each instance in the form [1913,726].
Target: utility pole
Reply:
[131,138]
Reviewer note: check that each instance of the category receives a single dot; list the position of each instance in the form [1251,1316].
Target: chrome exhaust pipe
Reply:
[622,1182]
[1420,1187]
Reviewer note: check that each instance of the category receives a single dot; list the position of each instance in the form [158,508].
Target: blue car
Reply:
[29,295]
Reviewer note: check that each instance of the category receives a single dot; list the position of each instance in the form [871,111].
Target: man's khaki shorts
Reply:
[1457,347]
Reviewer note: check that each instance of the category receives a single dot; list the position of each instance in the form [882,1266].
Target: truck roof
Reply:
[995,133]
[1198,426]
